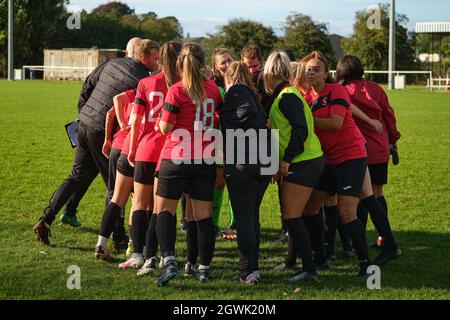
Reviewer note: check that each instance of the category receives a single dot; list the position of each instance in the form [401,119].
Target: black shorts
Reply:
[378,173]
[144,172]
[123,166]
[197,180]
[344,179]
[306,173]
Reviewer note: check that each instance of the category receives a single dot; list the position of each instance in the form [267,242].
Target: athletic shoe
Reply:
[251,279]
[189,270]
[203,275]
[130,249]
[257,275]
[169,272]
[304,276]
[363,269]
[284,267]
[70,220]
[102,254]
[120,246]
[282,239]
[148,267]
[42,232]
[386,255]
[132,263]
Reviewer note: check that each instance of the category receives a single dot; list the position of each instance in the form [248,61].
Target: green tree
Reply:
[101,31]
[160,29]
[303,35]
[238,33]
[108,30]
[37,25]
[114,7]
[371,45]
[40,25]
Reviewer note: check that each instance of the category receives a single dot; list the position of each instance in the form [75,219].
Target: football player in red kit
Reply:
[145,148]
[190,111]
[120,173]
[376,120]
[345,160]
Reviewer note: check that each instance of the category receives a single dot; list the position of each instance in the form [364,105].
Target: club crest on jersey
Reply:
[320,102]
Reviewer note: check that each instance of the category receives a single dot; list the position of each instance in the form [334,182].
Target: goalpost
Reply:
[400,72]
[58,72]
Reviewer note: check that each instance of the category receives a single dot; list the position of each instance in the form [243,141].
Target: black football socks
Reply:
[301,241]
[357,234]
[316,229]
[362,214]
[291,257]
[109,219]
[206,235]
[192,241]
[151,240]
[139,223]
[380,221]
[331,221]
[166,232]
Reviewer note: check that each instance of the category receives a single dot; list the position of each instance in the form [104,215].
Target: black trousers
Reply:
[88,163]
[74,201]
[246,188]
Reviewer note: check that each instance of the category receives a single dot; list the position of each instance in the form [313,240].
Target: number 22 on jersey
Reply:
[155,109]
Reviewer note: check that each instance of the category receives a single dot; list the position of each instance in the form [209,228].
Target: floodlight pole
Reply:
[10,41]
[391,45]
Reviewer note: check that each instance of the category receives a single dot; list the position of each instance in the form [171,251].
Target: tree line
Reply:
[39,25]
[42,24]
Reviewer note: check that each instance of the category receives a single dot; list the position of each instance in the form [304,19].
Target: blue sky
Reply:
[199,17]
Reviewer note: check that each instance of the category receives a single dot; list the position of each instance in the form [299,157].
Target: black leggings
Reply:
[246,188]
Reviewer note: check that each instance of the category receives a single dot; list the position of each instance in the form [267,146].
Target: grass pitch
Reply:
[36,157]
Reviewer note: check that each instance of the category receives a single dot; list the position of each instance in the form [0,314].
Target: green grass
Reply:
[36,157]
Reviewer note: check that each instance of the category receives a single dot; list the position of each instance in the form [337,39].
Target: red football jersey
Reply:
[344,144]
[150,96]
[190,121]
[372,100]
[120,135]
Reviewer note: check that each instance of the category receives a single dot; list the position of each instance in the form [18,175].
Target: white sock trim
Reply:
[102,242]
[137,256]
[202,267]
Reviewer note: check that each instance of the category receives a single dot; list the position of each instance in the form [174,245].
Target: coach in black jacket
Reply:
[69,215]
[108,80]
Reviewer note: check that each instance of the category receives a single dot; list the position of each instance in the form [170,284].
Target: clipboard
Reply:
[72,132]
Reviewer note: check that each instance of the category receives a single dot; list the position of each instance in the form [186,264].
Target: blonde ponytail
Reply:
[191,63]
[168,58]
